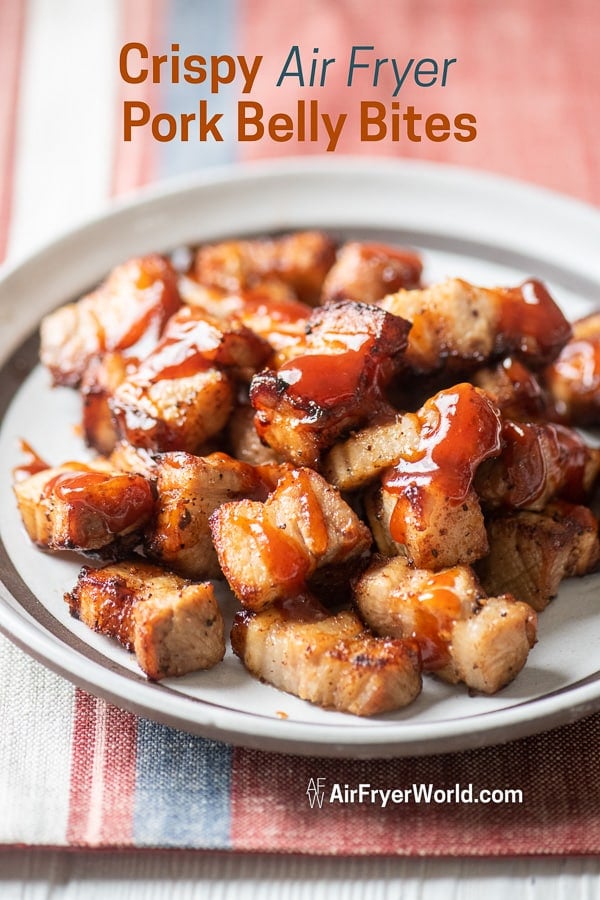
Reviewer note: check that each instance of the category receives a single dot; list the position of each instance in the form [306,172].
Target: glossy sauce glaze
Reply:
[458,429]
[184,350]
[435,609]
[118,501]
[31,465]
[285,558]
[530,321]
[327,380]
[541,458]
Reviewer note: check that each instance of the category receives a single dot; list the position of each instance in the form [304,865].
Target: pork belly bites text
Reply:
[173,626]
[329,660]
[462,634]
[127,313]
[269,551]
[336,382]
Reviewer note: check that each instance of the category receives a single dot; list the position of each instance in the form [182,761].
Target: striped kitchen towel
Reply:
[76,771]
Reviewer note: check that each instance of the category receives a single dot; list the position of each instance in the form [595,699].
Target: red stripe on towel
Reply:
[102,774]
[12,21]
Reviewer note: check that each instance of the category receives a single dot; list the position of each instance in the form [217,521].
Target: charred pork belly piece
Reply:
[425,506]
[127,458]
[532,552]
[332,661]
[336,383]
[462,634]
[517,392]
[243,440]
[366,272]
[173,626]
[189,489]
[183,392]
[270,309]
[537,463]
[457,326]
[99,382]
[574,378]
[78,507]
[269,551]
[126,313]
[300,260]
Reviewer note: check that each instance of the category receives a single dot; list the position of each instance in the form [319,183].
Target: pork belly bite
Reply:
[425,506]
[328,660]
[574,378]
[99,382]
[189,489]
[270,309]
[269,551]
[538,462]
[126,313]
[516,391]
[462,634]
[457,326]
[300,260]
[366,272]
[350,354]
[532,552]
[77,507]
[172,625]
[183,392]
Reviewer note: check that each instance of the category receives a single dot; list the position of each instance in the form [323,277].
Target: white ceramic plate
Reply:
[479,227]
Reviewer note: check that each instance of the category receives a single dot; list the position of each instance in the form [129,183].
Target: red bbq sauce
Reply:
[436,608]
[32,465]
[182,351]
[459,429]
[118,501]
[328,380]
[531,322]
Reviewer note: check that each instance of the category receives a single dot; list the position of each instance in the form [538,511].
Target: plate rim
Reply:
[272,733]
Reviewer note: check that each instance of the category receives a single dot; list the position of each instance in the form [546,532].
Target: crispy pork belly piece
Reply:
[126,313]
[462,634]
[328,660]
[366,454]
[457,325]
[99,382]
[532,552]
[351,352]
[173,626]
[574,377]
[127,458]
[270,309]
[300,260]
[366,272]
[516,391]
[244,442]
[182,393]
[537,463]
[189,489]
[268,551]
[78,507]
[425,506]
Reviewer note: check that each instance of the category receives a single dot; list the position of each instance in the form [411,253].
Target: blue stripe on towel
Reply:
[183,789]
[203,28]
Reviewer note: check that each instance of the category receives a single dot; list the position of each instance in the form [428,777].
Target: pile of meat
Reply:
[386,473]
